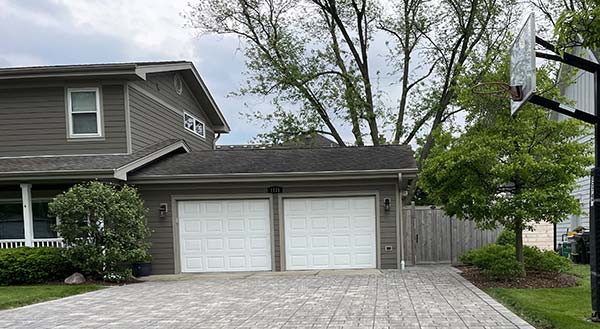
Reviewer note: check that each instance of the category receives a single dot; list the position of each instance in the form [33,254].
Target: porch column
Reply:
[27,214]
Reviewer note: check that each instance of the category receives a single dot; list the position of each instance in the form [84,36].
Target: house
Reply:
[581,92]
[154,125]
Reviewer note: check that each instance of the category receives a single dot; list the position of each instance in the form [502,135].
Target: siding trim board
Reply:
[127,117]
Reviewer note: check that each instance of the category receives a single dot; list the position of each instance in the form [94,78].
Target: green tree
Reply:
[574,22]
[508,171]
[314,58]
[103,226]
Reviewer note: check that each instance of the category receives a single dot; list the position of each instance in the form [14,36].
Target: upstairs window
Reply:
[193,125]
[84,112]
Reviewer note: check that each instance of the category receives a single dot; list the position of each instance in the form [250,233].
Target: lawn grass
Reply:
[560,308]
[16,296]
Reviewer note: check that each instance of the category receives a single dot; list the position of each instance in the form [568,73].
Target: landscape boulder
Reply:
[75,278]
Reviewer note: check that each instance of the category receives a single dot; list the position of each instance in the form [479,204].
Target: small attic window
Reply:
[178,84]
[193,125]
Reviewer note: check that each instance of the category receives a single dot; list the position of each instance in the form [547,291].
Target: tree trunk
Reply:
[519,241]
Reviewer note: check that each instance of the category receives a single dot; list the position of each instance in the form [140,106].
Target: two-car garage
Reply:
[238,234]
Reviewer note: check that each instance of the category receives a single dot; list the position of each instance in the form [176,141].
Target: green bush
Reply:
[497,261]
[546,261]
[507,238]
[27,265]
[104,228]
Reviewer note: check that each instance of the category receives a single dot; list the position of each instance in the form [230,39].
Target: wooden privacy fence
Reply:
[432,237]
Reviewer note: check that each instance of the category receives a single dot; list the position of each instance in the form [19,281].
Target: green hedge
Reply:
[499,261]
[33,265]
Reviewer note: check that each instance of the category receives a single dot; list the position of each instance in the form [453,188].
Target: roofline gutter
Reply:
[273,176]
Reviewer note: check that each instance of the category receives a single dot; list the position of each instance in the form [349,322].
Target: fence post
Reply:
[413,242]
[451,240]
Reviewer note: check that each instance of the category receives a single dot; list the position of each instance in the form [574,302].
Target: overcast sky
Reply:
[38,32]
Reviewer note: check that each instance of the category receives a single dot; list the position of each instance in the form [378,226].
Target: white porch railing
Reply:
[16,243]
[52,242]
[7,244]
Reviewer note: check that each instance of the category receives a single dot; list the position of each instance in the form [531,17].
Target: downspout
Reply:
[215,141]
[399,224]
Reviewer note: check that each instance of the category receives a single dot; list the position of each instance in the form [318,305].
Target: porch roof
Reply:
[85,166]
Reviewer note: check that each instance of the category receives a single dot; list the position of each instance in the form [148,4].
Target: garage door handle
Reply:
[417,238]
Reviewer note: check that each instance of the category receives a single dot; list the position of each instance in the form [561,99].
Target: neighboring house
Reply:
[154,125]
[581,92]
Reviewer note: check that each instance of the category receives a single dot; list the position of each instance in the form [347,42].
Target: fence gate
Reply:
[432,237]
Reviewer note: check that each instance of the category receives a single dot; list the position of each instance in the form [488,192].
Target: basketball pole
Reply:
[594,119]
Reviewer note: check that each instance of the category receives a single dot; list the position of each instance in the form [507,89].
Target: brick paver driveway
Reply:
[420,297]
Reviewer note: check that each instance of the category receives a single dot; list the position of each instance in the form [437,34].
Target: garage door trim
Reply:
[175,219]
[282,196]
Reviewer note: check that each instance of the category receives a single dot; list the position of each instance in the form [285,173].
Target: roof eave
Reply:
[122,172]
[273,176]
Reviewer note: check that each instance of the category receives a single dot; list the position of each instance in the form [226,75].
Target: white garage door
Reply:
[330,233]
[224,235]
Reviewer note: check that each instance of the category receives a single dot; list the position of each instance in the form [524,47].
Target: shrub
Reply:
[497,261]
[507,238]
[546,261]
[27,265]
[103,226]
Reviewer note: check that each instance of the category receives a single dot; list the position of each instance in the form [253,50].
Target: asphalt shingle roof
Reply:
[33,164]
[281,160]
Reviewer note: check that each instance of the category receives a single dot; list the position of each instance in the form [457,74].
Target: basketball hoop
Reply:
[498,89]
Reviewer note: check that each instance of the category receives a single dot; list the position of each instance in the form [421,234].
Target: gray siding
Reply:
[152,122]
[33,122]
[581,92]
[162,239]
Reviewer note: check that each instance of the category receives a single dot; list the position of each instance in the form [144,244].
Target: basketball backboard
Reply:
[522,63]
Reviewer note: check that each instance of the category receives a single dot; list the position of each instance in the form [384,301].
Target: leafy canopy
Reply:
[103,226]
[505,170]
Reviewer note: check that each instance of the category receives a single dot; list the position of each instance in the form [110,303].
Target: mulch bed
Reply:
[531,280]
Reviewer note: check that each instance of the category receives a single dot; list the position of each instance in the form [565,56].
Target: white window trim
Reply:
[193,130]
[98,112]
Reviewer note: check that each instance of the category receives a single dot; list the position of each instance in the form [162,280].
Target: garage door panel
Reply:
[319,223]
[259,243]
[214,225]
[340,233]
[341,223]
[320,260]
[320,242]
[192,226]
[195,263]
[215,244]
[192,245]
[225,235]
[342,260]
[297,223]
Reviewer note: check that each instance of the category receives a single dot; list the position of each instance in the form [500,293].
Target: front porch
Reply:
[24,220]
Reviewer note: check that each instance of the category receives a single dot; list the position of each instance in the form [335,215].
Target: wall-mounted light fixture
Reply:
[162,210]
[387,204]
